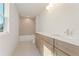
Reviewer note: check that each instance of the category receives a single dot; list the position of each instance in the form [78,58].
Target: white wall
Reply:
[58,19]
[8,40]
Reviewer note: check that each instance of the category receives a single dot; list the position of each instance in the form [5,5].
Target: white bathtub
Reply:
[27,38]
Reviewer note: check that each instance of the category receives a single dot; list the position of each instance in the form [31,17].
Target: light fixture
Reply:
[50,5]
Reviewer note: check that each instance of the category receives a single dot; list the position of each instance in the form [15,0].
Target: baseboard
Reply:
[27,37]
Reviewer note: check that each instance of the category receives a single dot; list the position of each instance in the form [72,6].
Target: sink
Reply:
[68,37]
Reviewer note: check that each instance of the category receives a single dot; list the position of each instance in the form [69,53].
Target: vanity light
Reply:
[50,6]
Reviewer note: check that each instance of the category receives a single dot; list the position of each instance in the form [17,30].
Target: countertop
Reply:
[72,40]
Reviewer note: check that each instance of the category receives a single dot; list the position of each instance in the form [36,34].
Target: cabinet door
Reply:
[70,49]
[41,46]
[37,41]
[60,53]
[47,49]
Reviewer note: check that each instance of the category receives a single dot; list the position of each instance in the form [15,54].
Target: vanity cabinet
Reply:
[38,43]
[67,48]
[44,45]
[54,47]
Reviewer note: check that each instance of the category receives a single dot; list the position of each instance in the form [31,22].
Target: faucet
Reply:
[68,32]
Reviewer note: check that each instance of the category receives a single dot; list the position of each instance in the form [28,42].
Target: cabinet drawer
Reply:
[47,39]
[68,48]
[60,53]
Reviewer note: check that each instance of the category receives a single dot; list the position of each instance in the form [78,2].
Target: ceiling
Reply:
[30,9]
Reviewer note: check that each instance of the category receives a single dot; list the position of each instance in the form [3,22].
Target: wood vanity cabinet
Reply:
[53,47]
[47,49]
[38,42]
[67,48]
[44,45]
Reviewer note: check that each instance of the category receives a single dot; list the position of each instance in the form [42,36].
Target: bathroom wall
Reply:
[27,26]
[9,38]
[58,19]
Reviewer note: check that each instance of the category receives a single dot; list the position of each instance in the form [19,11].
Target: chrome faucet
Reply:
[68,32]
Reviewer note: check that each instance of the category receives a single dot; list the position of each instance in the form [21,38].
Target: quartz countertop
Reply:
[72,40]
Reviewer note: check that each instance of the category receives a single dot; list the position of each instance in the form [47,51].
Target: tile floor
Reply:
[26,48]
